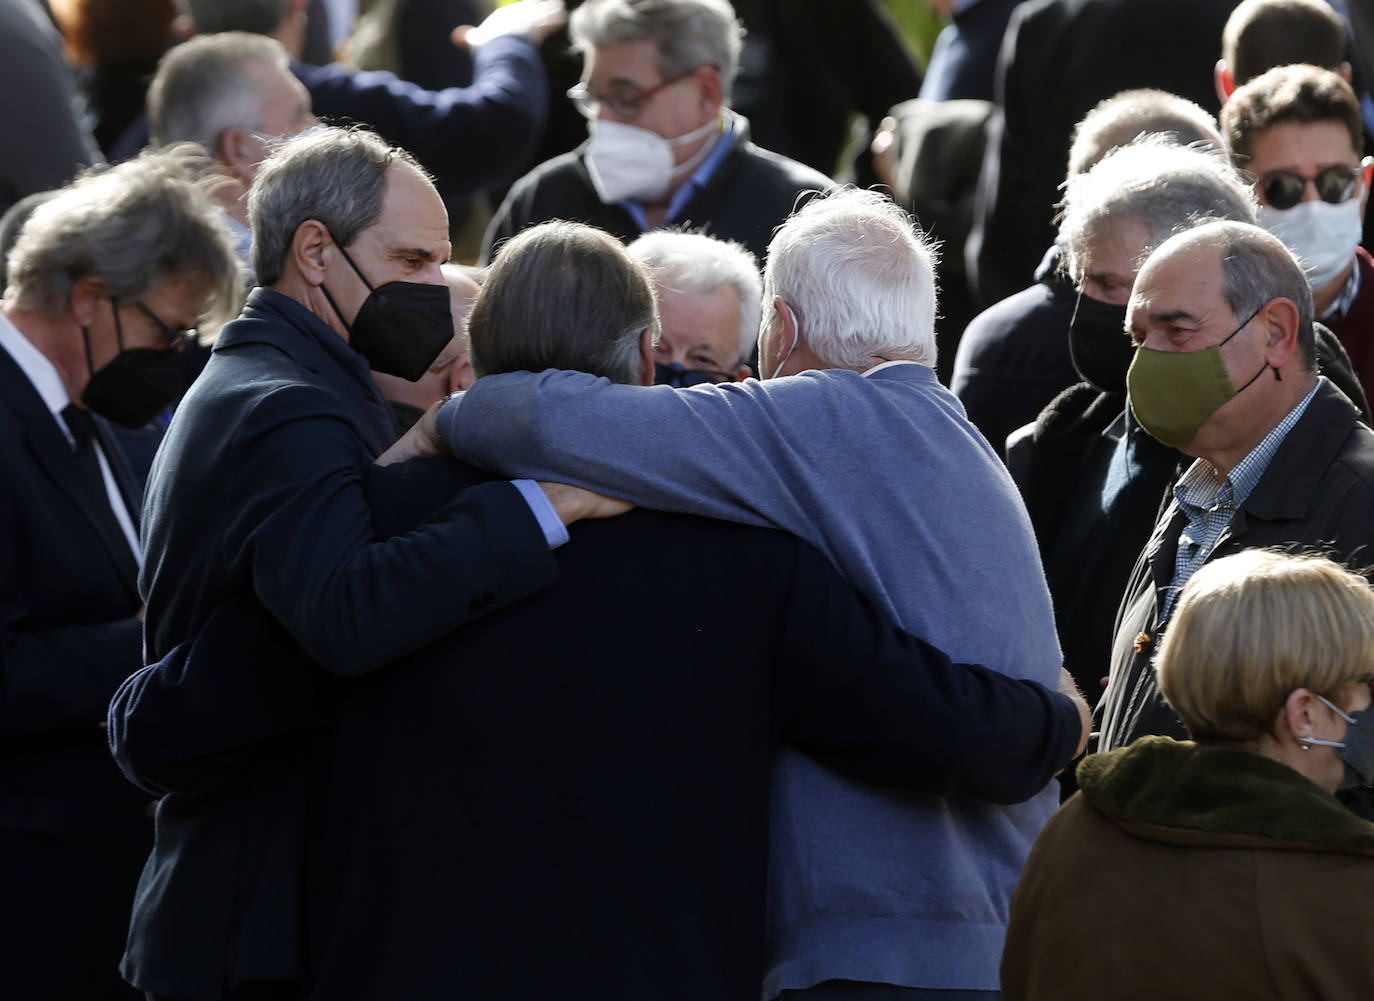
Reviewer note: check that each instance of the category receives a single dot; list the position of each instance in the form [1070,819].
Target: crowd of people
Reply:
[368,447]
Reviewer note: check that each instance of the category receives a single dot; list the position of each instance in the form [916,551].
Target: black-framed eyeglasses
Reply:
[679,376]
[175,338]
[625,99]
[1282,189]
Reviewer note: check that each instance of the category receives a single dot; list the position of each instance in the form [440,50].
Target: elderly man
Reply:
[104,280]
[257,493]
[233,94]
[1297,131]
[1225,371]
[865,455]
[709,294]
[1013,357]
[663,146]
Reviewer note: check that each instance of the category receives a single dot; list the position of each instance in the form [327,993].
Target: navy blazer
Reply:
[72,833]
[256,495]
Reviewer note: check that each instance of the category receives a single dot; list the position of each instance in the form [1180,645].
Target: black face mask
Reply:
[1098,344]
[136,385]
[401,327]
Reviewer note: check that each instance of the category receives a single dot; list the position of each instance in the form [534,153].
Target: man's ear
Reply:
[1280,317]
[1225,83]
[712,94]
[1344,71]
[743,372]
[240,152]
[311,246]
[87,294]
[646,356]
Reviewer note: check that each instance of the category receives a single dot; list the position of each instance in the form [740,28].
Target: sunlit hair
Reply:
[693,262]
[1126,116]
[562,295]
[687,33]
[1251,628]
[1156,182]
[332,175]
[133,226]
[207,85]
[860,277]
[1299,94]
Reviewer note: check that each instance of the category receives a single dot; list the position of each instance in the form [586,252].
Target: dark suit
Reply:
[570,797]
[72,832]
[257,493]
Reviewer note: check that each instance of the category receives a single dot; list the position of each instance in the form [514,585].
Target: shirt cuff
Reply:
[555,532]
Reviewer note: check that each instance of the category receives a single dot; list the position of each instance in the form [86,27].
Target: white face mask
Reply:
[627,162]
[1321,235]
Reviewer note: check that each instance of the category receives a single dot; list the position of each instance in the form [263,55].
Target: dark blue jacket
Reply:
[72,833]
[257,496]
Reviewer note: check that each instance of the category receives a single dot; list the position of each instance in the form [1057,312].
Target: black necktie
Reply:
[82,427]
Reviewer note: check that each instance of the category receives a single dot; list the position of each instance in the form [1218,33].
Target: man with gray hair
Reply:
[852,444]
[709,294]
[257,494]
[234,95]
[664,148]
[106,279]
[1225,371]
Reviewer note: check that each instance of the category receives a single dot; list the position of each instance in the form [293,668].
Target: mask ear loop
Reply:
[796,336]
[325,288]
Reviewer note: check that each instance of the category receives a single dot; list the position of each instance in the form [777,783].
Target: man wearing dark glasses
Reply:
[1297,131]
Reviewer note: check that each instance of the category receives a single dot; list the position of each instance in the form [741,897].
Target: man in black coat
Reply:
[105,276]
[572,794]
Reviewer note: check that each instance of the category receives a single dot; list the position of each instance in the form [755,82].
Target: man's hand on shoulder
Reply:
[1067,687]
[535,19]
[575,503]
[421,441]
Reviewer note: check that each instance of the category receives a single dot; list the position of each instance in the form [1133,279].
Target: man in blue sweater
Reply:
[865,455]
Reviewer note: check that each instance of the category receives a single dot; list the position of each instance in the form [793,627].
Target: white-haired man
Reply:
[664,148]
[864,454]
[709,293]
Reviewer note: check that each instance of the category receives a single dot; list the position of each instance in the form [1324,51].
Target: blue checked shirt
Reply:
[1210,503]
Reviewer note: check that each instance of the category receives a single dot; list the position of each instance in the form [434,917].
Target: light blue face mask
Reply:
[1357,750]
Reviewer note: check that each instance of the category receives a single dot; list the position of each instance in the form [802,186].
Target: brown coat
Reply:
[1216,875]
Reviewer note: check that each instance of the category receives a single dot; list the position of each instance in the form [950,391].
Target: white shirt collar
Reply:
[34,364]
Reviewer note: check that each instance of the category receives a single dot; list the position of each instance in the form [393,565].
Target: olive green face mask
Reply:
[1174,392]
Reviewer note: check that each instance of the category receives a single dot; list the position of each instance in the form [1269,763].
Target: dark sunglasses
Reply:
[1283,189]
[677,376]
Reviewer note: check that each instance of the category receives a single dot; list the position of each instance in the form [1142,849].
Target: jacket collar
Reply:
[1186,793]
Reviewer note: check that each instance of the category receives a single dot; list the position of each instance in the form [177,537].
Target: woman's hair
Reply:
[1251,628]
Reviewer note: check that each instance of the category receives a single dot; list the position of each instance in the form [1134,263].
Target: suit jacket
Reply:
[72,832]
[571,795]
[1317,492]
[1059,58]
[257,494]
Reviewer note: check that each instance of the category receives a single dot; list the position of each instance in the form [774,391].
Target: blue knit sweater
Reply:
[885,475]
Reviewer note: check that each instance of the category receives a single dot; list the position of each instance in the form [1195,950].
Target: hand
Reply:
[420,441]
[575,503]
[535,19]
[1067,687]
[884,152]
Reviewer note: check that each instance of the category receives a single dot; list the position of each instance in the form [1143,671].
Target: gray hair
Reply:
[1256,266]
[332,175]
[687,33]
[562,295]
[133,226]
[202,87]
[1156,182]
[860,277]
[261,17]
[695,262]
[1124,117]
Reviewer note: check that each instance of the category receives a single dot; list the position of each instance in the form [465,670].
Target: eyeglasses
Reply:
[680,377]
[626,100]
[175,338]
[1283,189]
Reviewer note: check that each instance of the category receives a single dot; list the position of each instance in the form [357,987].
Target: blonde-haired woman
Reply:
[1222,867]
